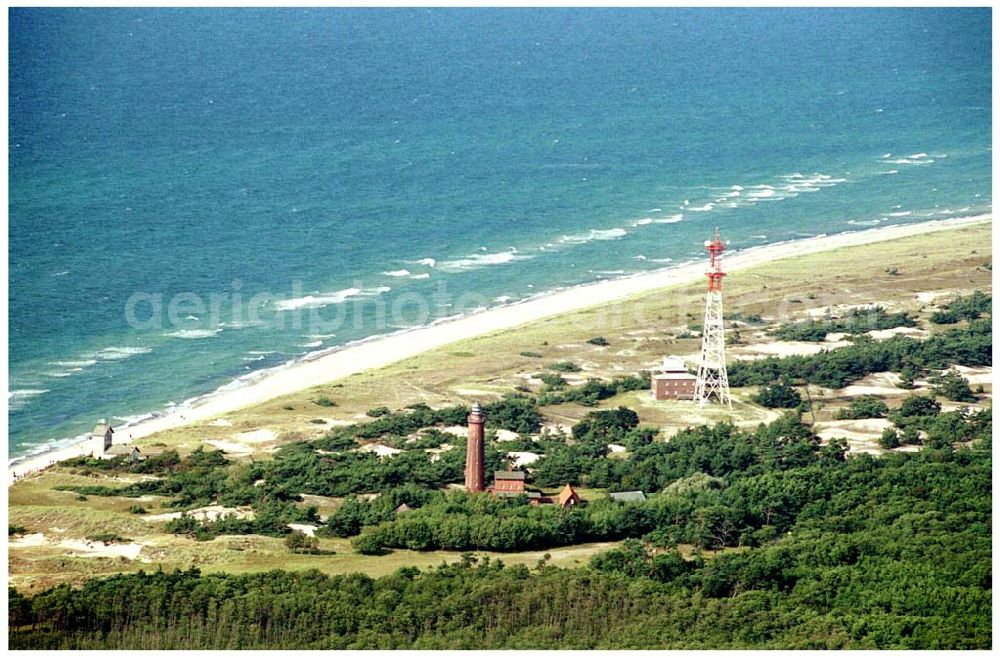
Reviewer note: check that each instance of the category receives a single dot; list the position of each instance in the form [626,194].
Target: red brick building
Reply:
[508,483]
[673,381]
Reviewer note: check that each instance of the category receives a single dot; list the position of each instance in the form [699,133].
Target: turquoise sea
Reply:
[322,164]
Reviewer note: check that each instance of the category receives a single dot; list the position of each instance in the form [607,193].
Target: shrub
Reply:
[919,406]
[889,438]
[16,530]
[108,538]
[137,509]
[325,402]
[600,341]
[300,542]
[866,406]
[368,544]
[952,386]
[778,396]
[533,355]
[552,380]
[377,412]
[565,366]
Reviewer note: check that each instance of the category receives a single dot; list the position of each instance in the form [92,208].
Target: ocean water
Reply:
[346,173]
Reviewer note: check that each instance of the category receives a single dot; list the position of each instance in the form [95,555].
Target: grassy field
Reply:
[639,330]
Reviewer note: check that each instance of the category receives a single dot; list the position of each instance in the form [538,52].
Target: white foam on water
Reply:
[671,219]
[705,208]
[403,272]
[316,343]
[643,222]
[318,300]
[120,353]
[195,334]
[425,275]
[74,364]
[20,398]
[429,262]
[476,261]
[901,214]
[594,234]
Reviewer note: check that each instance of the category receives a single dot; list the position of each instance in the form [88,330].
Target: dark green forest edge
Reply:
[796,544]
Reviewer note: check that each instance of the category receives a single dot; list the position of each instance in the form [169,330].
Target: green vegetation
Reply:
[857,321]
[969,307]
[840,367]
[952,386]
[565,366]
[780,395]
[861,552]
[593,390]
[299,542]
[108,538]
[600,341]
[865,406]
[13,530]
[324,402]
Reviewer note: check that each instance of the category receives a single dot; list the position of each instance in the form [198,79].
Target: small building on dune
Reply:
[568,497]
[627,496]
[508,483]
[101,439]
[131,453]
[672,381]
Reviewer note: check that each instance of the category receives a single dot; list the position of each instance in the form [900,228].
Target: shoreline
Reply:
[325,366]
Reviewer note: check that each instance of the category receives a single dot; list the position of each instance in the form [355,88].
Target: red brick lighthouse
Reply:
[475,479]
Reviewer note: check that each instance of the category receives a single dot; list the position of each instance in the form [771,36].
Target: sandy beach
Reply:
[385,350]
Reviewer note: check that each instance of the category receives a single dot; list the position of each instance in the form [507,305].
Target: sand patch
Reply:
[886,334]
[523,458]
[435,453]
[507,435]
[930,296]
[615,448]
[28,541]
[784,348]
[879,383]
[980,375]
[210,513]
[79,547]
[84,548]
[256,436]
[380,449]
[231,447]
[304,528]
[861,435]
[221,422]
